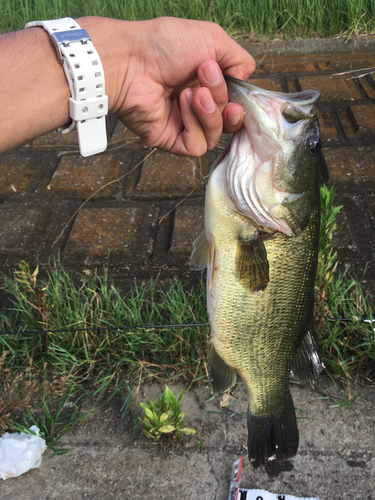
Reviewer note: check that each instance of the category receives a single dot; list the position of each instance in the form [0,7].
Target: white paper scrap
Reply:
[266,495]
[20,452]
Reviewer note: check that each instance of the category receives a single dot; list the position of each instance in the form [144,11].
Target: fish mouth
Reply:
[274,125]
[304,98]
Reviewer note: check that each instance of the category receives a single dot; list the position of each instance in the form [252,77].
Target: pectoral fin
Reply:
[203,255]
[199,255]
[222,376]
[307,363]
[252,267]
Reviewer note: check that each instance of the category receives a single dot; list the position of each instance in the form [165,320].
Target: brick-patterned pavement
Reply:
[148,216]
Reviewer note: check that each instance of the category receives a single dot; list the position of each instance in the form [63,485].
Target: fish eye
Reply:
[314,144]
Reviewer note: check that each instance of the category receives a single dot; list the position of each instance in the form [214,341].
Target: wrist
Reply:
[113,40]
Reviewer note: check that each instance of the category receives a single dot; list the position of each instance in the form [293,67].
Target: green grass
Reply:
[59,302]
[347,344]
[43,374]
[264,17]
[58,368]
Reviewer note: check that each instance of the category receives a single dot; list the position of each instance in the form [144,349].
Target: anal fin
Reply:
[251,266]
[307,363]
[222,376]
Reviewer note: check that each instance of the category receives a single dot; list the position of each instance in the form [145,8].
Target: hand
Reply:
[173,93]
[163,80]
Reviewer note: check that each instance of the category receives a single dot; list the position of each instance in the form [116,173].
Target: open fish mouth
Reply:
[262,154]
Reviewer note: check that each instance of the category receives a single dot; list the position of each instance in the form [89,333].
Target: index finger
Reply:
[211,77]
[233,59]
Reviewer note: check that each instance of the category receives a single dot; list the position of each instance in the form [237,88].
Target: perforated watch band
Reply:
[88,104]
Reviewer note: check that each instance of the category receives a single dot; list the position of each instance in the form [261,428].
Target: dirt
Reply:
[335,460]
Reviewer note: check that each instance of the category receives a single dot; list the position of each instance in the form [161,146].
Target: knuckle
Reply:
[213,140]
[201,149]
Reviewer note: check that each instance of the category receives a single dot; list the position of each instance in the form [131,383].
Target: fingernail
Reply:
[234,118]
[208,103]
[212,74]
[189,95]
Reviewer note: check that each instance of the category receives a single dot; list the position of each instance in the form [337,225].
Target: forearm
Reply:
[34,90]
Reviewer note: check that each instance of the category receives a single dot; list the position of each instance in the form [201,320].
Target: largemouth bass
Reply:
[260,247]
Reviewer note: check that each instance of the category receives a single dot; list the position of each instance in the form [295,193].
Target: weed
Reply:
[165,417]
[11,401]
[346,343]
[297,18]
[28,396]
[327,262]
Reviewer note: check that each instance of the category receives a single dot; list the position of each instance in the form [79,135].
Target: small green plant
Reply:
[165,417]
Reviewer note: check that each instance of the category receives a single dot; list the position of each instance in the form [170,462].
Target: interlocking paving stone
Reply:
[79,177]
[368,85]
[351,168]
[123,137]
[24,174]
[327,123]
[127,226]
[284,65]
[331,88]
[167,176]
[354,238]
[266,83]
[345,61]
[292,85]
[56,139]
[17,224]
[188,224]
[121,231]
[358,122]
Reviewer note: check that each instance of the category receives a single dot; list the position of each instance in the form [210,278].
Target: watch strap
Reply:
[88,104]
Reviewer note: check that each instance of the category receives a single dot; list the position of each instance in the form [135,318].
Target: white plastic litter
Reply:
[20,452]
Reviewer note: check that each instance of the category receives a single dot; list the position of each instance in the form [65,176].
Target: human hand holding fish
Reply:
[174,95]
[163,79]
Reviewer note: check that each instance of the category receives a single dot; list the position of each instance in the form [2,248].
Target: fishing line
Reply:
[364,319]
[66,330]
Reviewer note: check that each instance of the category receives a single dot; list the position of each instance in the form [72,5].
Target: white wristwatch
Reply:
[88,104]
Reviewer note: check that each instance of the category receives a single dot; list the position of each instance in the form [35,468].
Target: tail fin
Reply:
[273,438]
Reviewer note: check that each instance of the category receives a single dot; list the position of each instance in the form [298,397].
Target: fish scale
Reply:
[272,320]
